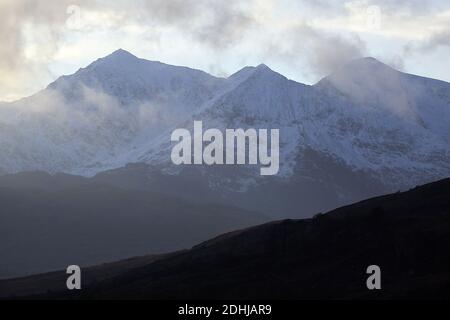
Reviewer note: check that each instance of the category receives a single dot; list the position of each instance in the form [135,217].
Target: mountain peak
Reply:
[367,62]
[247,72]
[262,66]
[264,69]
[360,71]
[121,53]
[117,60]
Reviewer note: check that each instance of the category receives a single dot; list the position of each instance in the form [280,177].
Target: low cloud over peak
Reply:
[304,40]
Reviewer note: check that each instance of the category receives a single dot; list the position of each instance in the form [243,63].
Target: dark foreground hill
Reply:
[49,222]
[406,234]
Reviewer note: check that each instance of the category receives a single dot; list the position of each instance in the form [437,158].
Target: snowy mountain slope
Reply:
[364,130]
[335,149]
[392,121]
[99,113]
[254,98]
[372,84]
[132,80]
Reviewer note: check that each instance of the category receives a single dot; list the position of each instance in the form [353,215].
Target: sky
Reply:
[304,40]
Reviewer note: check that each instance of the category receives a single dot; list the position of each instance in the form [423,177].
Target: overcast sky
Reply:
[304,40]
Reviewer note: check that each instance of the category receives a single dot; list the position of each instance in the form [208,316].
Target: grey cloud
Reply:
[441,39]
[412,7]
[435,41]
[331,52]
[15,16]
[324,52]
[215,23]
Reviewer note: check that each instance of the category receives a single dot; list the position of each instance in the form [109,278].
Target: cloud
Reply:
[411,7]
[29,31]
[212,22]
[315,52]
[327,52]
[33,31]
[38,37]
[440,39]
[437,38]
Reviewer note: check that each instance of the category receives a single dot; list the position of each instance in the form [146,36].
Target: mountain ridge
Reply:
[390,130]
[325,257]
[50,221]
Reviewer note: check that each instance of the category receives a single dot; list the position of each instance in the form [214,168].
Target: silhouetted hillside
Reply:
[407,234]
[50,222]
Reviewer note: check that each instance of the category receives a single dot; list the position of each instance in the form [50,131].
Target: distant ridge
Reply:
[406,234]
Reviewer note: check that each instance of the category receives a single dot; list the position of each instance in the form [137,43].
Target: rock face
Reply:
[365,130]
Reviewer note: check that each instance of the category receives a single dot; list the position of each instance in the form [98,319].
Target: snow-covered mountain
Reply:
[101,112]
[364,130]
[367,116]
